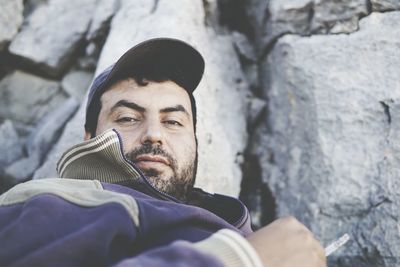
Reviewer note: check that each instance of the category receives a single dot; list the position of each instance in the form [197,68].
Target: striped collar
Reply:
[100,158]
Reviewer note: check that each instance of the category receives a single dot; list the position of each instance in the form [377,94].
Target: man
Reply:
[126,196]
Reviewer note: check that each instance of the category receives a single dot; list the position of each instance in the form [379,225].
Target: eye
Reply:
[127,120]
[172,123]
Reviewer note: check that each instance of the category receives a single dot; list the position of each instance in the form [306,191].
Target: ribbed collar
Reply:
[100,158]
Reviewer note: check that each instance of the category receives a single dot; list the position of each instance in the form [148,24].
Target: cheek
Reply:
[184,148]
[130,140]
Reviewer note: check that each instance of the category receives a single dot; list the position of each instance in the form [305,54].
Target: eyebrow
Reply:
[177,108]
[134,106]
[127,104]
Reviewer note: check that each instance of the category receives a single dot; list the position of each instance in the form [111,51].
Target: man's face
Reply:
[156,126]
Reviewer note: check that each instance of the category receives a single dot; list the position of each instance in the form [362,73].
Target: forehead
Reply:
[153,94]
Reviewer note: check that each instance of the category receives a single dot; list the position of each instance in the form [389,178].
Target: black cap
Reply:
[177,60]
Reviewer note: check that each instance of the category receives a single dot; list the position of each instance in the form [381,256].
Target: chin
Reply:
[156,173]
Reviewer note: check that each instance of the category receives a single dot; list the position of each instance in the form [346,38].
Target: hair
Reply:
[142,78]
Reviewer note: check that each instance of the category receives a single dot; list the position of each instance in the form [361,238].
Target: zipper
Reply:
[242,220]
[160,194]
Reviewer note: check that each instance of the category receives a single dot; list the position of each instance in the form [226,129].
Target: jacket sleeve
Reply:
[224,248]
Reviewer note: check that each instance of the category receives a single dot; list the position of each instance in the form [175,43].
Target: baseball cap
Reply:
[173,59]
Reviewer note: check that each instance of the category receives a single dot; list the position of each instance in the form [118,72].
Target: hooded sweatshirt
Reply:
[103,211]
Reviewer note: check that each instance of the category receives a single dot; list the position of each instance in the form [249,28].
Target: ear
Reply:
[87,136]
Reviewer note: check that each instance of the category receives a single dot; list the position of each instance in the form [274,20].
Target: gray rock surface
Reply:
[256,106]
[21,170]
[26,98]
[89,61]
[52,34]
[257,12]
[312,16]
[244,47]
[103,13]
[212,13]
[76,83]
[385,5]
[31,5]
[330,151]
[221,111]
[11,19]
[48,128]
[10,144]
[73,133]
[248,58]
[40,141]
[339,16]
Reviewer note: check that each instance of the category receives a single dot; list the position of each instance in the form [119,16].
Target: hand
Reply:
[287,243]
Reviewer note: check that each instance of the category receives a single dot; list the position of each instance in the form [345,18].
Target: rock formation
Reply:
[333,156]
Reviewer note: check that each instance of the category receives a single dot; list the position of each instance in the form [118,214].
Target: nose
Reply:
[152,133]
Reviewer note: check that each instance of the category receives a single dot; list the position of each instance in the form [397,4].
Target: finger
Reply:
[322,262]
[320,251]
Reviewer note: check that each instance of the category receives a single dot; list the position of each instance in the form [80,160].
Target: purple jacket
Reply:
[106,213]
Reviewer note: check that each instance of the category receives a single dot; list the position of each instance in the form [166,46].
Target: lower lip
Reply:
[148,163]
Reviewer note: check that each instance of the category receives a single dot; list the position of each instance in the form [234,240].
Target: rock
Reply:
[91,49]
[26,98]
[23,129]
[287,16]
[31,5]
[48,128]
[11,19]
[327,14]
[97,33]
[76,83]
[42,44]
[331,152]
[256,106]
[257,13]
[21,170]
[305,17]
[40,141]
[72,134]
[248,58]
[10,145]
[244,47]
[100,24]
[212,14]
[88,63]
[221,110]
[350,25]
[385,5]
[252,78]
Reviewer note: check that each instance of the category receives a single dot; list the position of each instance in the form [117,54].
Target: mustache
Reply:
[148,149]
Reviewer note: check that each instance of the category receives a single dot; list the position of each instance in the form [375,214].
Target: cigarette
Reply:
[335,245]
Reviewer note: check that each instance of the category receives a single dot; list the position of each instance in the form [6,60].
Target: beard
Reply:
[183,177]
